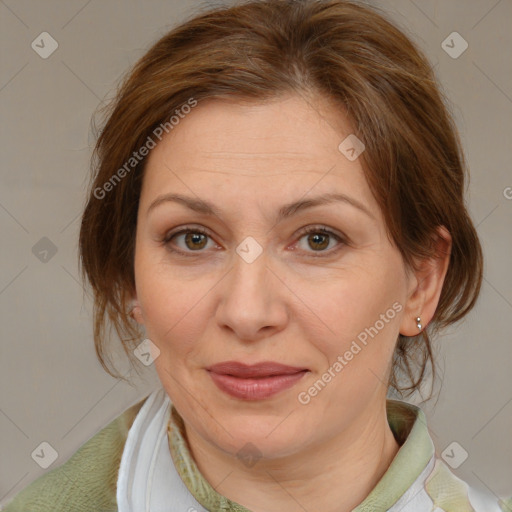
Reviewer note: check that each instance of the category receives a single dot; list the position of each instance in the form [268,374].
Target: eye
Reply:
[194,238]
[319,238]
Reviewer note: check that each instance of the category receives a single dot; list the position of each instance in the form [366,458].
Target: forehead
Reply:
[283,147]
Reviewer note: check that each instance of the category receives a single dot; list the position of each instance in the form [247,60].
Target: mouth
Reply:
[254,382]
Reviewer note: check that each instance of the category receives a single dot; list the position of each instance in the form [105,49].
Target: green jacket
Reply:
[87,481]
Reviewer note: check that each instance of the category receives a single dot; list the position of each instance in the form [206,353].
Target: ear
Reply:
[136,311]
[426,285]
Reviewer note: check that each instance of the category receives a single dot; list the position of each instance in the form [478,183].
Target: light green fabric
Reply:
[450,494]
[506,504]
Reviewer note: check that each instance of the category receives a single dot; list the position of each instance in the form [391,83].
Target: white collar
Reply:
[148,480]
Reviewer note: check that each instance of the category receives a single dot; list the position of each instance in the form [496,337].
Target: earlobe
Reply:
[136,312]
[430,276]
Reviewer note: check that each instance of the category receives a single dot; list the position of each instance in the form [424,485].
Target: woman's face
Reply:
[252,287]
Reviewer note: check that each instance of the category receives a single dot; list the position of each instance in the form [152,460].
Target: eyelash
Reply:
[306,231]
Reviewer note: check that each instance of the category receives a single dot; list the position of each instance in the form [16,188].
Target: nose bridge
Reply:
[250,273]
[250,300]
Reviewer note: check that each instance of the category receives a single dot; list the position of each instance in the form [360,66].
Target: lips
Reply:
[254,382]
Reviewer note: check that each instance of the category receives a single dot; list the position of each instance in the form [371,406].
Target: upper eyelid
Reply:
[206,231]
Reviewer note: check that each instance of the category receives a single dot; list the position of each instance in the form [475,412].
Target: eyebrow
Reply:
[286,211]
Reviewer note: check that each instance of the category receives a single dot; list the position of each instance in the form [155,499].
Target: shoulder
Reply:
[449,493]
[87,480]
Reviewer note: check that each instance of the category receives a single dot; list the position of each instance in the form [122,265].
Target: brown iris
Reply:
[195,238]
[314,238]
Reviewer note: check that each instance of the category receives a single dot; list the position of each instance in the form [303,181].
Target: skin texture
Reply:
[301,302]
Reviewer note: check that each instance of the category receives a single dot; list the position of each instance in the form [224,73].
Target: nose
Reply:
[253,300]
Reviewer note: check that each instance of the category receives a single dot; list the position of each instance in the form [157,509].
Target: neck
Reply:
[334,476]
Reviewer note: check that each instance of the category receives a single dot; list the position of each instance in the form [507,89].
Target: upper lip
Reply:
[263,369]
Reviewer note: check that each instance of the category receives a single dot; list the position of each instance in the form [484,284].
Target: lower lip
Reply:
[255,388]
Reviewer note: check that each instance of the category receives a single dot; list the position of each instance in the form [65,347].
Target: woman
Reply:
[277,209]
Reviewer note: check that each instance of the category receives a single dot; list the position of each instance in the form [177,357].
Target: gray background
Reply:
[52,388]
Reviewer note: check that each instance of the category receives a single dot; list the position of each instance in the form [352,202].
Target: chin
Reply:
[260,435]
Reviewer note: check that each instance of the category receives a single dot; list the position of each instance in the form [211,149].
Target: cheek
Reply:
[174,309]
[360,323]
[358,305]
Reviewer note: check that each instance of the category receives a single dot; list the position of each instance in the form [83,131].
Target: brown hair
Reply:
[261,49]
